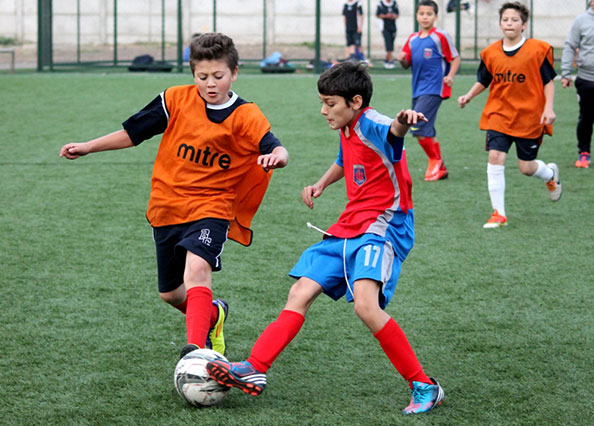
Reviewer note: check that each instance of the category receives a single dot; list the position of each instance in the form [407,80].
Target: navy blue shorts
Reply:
[353,38]
[389,37]
[526,149]
[204,238]
[428,105]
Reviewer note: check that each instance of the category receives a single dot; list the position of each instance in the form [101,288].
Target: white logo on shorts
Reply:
[205,236]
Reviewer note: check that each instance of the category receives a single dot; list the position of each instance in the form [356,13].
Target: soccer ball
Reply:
[192,381]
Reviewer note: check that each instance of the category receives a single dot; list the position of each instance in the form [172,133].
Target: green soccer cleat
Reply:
[216,339]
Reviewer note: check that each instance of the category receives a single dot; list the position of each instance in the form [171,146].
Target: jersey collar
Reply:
[232,98]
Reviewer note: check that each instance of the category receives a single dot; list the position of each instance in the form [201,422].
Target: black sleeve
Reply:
[483,75]
[150,121]
[547,72]
[268,143]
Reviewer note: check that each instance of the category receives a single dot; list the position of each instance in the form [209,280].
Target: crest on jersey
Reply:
[427,53]
[359,174]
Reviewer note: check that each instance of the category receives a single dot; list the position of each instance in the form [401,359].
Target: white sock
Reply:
[496,184]
[543,172]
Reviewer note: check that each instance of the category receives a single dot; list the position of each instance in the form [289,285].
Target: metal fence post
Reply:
[318,64]
[115,33]
[180,65]
[214,16]
[264,24]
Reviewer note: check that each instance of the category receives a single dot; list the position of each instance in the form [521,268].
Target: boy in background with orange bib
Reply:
[520,75]
[209,177]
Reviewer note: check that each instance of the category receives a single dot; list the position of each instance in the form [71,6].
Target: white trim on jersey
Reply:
[162,95]
[232,98]
[382,222]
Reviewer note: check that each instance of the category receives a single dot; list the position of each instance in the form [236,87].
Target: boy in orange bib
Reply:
[520,75]
[210,175]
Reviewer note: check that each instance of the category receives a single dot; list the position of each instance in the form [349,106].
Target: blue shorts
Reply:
[204,238]
[428,105]
[367,256]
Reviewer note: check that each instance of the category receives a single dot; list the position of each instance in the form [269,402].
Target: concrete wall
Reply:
[288,22]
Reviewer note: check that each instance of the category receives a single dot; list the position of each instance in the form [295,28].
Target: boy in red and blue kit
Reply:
[361,255]
[435,61]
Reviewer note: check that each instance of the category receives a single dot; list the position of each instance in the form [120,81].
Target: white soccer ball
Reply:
[192,381]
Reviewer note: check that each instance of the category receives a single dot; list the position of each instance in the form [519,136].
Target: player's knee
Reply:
[171,298]
[364,310]
[527,167]
[198,271]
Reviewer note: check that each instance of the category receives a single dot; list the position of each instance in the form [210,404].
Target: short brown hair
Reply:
[522,10]
[213,46]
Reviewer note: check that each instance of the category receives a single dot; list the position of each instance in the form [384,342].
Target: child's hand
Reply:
[410,117]
[449,81]
[548,116]
[463,100]
[309,193]
[401,56]
[278,158]
[74,150]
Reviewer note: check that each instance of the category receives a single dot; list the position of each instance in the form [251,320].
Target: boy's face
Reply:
[214,78]
[511,24]
[336,111]
[426,17]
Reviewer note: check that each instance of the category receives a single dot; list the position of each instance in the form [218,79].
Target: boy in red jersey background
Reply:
[209,177]
[435,61]
[520,75]
[361,255]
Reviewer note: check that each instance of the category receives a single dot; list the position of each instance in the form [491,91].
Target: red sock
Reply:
[198,311]
[214,315]
[182,306]
[274,339]
[437,148]
[428,145]
[395,344]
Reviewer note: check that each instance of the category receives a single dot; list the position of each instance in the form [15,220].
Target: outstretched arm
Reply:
[404,120]
[278,158]
[333,174]
[476,89]
[115,140]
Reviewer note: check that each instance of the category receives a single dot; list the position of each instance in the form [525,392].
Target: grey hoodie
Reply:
[581,36]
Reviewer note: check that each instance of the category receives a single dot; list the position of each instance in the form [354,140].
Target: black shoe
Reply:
[190,347]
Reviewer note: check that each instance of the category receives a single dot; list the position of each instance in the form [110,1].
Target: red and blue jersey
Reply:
[430,59]
[378,184]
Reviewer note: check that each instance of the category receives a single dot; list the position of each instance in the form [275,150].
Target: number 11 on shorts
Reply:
[368,249]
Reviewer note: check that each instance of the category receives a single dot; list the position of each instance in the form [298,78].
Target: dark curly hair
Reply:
[346,80]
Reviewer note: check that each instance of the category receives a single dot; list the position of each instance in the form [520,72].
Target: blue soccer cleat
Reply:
[425,397]
[241,375]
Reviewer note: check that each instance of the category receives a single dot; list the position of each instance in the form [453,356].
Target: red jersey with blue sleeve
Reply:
[378,183]
[430,59]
